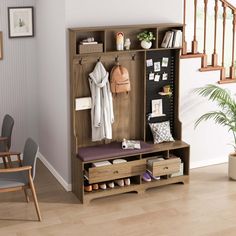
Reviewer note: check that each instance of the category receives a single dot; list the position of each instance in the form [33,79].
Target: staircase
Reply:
[218,16]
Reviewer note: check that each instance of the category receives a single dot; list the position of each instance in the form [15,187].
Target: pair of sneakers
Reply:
[104,186]
[148,176]
[122,182]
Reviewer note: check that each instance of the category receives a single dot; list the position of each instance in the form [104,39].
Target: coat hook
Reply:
[133,57]
[99,59]
[81,61]
[117,59]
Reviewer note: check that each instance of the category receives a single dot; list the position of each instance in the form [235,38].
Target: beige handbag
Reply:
[120,82]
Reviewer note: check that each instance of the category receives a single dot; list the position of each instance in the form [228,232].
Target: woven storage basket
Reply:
[91,48]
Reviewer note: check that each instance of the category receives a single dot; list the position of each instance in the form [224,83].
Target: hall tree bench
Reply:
[131,112]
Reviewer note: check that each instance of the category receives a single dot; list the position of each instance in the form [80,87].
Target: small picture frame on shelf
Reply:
[21,22]
[157,66]
[165,61]
[157,109]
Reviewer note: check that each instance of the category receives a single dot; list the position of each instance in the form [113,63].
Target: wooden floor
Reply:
[207,206]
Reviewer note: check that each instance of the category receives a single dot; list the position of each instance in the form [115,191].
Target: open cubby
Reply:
[131,111]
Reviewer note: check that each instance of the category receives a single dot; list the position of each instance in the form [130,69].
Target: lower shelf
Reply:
[155,183]
[139,188]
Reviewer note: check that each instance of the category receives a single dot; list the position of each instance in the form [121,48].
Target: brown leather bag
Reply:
[120,82]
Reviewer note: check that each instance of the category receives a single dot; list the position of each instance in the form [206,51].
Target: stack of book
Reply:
[172,39]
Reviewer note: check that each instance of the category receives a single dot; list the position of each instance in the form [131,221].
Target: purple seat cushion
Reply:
[110,150]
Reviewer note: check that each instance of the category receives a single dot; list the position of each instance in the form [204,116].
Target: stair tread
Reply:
[211,68]
[191,55]
[227,81]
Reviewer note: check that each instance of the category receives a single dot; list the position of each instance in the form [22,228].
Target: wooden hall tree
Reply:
[132,111]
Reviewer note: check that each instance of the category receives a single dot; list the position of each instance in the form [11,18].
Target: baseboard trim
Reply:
[58,177]
[204,163]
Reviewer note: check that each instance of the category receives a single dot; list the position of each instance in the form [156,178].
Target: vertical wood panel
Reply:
[18,91]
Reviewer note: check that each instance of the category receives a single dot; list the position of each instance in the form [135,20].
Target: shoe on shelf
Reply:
[120,182]
[152,176]
[127,181]
[95,186]
[146,177]
[88,188]
[103,186]
[111,184]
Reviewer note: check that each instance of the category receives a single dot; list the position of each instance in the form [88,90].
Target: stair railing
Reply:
[214,56]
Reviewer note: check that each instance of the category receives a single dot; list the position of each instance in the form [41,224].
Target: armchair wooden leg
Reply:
[9,162]
[34,197]
[26,195]
[4,162]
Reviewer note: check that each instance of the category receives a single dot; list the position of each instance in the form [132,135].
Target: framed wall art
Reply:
[157,109]
[1,46]
[21,22]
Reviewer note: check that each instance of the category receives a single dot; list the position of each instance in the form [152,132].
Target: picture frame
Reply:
[157,109]
[1,46]
[157,66]
[165,76]
[21,22]
[165,61]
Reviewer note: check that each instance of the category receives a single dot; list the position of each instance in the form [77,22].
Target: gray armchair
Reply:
[5,138]
[21,178]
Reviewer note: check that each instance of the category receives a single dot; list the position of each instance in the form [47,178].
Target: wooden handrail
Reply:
[229,5]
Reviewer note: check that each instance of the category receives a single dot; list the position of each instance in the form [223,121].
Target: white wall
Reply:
[53,110]
[209,142]
[113,12]
[18,80]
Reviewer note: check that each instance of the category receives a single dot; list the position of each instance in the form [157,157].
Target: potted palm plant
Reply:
[224,116]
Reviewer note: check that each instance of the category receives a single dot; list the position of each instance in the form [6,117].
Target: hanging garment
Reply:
[102,115]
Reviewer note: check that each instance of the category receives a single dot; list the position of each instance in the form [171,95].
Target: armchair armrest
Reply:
[18,169]
[6,154]
[3,138]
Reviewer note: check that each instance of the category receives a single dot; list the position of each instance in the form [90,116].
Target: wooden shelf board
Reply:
[124,51]
[227,81]
[211,68]
[191,55]
[102,28]
[110,191]
[161,182]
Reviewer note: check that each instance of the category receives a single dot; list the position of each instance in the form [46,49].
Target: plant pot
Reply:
[166,89]
[232,166]
[145,44]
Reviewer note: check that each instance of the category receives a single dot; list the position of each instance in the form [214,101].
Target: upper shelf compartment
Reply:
[89,41]
[104,39]
[131,35]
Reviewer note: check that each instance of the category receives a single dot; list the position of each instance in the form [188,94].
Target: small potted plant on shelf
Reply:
[225,116]
[146,39]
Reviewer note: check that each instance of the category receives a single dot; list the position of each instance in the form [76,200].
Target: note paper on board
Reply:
[83,103]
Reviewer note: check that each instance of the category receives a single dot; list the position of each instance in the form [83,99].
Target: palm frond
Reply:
[219,95]
[227,104]
[218,117]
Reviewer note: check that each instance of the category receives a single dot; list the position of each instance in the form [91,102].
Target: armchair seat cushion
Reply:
[11,180]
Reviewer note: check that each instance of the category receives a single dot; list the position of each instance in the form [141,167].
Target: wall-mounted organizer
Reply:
[154,79]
